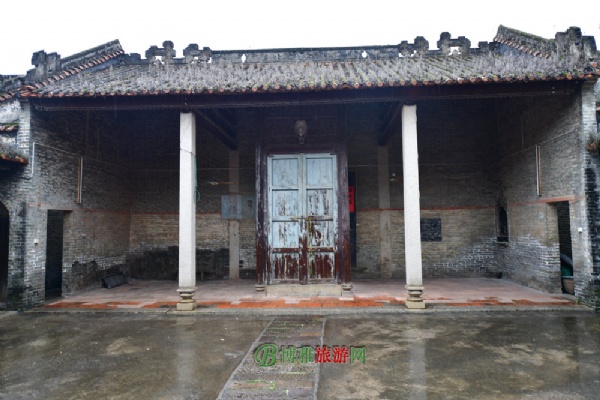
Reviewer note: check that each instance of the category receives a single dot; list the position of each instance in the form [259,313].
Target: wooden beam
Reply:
[261,188]
[207,123]
[391,124]
[344,258]
[227,116]
[224,119]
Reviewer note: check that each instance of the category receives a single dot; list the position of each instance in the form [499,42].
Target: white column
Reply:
[412,212]
[187,212]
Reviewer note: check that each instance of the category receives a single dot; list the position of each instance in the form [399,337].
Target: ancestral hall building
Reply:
[304,167]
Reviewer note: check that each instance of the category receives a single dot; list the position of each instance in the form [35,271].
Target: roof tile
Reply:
[531,59]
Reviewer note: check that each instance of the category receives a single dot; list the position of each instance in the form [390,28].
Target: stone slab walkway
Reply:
[267,374]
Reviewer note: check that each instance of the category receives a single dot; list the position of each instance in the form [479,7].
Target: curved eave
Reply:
[264,98]
[27,90]
[310,87]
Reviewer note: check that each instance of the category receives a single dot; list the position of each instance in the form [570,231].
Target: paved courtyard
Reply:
[458,355]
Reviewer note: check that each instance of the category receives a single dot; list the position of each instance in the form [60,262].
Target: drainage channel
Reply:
[281,362]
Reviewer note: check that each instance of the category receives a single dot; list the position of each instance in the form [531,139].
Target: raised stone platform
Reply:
[321,289]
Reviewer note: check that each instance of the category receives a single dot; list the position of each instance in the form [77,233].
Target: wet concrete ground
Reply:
[471,355]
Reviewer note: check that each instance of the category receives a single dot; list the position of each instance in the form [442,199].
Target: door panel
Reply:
[286,266]
[285,203]
[321,250]
[319,202]
[303,218]
[285,173]
[319,172]
[321,235]
[321,212]
[286,234]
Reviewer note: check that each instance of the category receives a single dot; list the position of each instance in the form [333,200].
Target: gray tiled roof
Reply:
[513,56]
[274,77]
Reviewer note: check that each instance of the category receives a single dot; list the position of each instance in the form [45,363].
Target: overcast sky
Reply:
[68,27]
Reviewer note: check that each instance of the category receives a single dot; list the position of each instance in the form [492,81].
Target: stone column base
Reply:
[415,299]
[260,289]
[187,302]
[347,289]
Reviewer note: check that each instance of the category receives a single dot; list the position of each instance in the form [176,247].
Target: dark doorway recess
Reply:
[565,246]
[4,231]
[54,253]
[502,225]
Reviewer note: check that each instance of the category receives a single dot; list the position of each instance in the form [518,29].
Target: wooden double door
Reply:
[302,218]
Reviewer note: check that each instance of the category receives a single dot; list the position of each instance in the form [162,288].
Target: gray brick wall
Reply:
[586,246]
[17,194]
[531,257]
[457,185]
[155,198]
[97,230]
[474,154]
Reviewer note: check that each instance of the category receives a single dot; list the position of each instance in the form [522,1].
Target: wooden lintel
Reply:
[391,124]
[206,123]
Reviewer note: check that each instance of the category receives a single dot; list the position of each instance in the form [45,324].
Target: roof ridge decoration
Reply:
[420,47]
[50,68]
[51,64]
[446,43]
[166,52]
[567,44]
[193,55]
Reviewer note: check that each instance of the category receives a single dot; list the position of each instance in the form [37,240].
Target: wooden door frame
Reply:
[306,258]
[262,151]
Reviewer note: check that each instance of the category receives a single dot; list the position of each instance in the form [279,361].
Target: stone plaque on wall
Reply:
[431,229]
[236,206]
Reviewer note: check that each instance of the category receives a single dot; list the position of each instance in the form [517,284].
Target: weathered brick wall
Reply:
[155,203]
[531,256]
[25,262]
[472,154]
[96,232]
[457,185]
[586,244]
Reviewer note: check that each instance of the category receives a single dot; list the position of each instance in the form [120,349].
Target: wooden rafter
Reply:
[392,123]
[224,118]
[211,122]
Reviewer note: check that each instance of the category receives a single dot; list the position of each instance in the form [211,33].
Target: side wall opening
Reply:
[565,246]
[54,254]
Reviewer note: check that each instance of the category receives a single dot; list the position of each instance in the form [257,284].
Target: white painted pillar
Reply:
[187,212]
[234,225]
[412,208]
